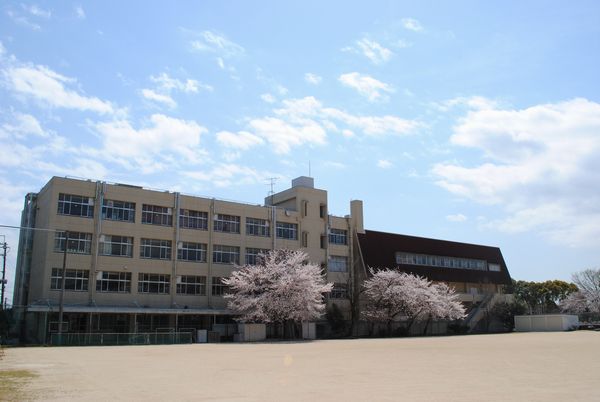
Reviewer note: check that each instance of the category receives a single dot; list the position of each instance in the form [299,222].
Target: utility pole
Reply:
[4,248]
[62,289]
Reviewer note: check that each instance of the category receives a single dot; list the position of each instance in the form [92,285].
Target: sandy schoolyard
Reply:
[509,367]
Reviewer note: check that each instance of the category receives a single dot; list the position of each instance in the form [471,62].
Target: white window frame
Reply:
[148,247]
[286,230]
[122,243]
[194,252]
[223,254]
[258,227]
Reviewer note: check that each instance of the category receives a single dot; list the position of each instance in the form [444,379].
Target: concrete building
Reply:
[140,260]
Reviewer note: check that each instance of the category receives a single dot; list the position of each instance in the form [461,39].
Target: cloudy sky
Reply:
[455,120]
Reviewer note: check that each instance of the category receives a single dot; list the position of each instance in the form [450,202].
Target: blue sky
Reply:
[465,121]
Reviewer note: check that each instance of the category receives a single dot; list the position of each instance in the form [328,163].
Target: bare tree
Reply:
[284,287]
[587,299]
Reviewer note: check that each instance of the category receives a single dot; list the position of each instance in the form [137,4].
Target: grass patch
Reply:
[12,383]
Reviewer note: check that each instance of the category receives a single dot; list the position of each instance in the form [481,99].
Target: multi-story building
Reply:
[139,259]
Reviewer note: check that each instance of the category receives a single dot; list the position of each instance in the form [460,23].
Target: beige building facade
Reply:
[140,259]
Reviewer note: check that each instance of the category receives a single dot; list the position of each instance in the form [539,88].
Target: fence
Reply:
[111,339]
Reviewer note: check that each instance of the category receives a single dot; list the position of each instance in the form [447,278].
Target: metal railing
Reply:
[112,339]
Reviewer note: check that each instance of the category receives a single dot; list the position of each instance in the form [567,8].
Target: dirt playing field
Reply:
[510,367]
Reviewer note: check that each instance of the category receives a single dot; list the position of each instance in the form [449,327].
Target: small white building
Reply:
[546,322]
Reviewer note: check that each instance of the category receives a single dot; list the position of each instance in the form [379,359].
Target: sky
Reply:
[469,121]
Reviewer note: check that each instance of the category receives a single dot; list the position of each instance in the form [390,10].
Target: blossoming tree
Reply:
[391,295]
[283,287]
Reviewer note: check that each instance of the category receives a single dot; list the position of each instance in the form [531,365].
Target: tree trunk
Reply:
[426,325]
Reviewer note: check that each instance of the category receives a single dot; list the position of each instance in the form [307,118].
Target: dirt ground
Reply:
[509,367]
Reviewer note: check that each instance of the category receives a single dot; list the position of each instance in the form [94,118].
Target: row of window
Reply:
[445,262]
[122,246]
[120,282]
[76,205]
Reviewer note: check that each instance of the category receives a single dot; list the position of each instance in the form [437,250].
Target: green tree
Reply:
[505,313]
[542,297]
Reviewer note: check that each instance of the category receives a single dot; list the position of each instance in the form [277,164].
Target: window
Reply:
[304,238]
[338,264]
[438,261]
[157,215]
[339,291]
[322,211]
[191,285]
[253,253]
[75,205]
[80,243]
[118,282]
[75,279]
[218,287]
[187,251]
[494,267]
[257,227]
[155,248]
[121,246]
[287,230]
[189,219]
[154,283]
[123,211]
[227,223]
[323,241]
[226,254]
[338,236]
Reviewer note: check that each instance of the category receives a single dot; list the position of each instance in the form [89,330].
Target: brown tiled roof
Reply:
[379,251]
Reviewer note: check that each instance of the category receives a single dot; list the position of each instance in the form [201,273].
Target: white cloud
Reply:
[212,42]
[384,164]
[23,21]
[374,125]
[312,78]
[227,174]
[160,98]
[162,141]
[283,135]
[23,126]
[542,167]
[335,165]
[2,49]
[374,51]
[79,12]
[268,98]
[367,86]
[165,85]
[241,140]
[281,90]
[468,102]
[51,88]
[37,11]
[305,121]
[412,24]
[456,218]
[402,44]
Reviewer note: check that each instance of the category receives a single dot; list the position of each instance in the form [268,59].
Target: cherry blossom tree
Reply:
[284,287]
[391,295]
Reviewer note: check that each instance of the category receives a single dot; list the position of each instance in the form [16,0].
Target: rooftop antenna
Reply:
[272,181]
